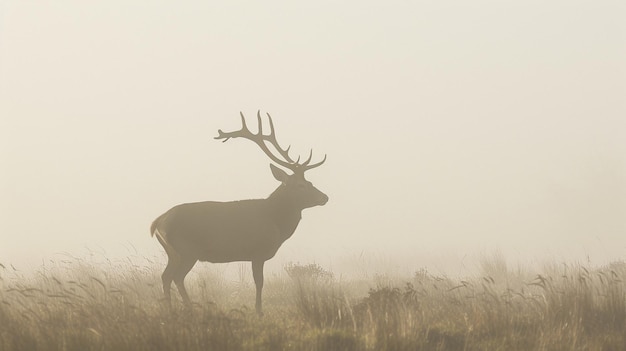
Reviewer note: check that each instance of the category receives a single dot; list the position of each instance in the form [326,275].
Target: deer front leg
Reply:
[257,273]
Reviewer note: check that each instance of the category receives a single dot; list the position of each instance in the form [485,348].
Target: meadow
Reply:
[77,304]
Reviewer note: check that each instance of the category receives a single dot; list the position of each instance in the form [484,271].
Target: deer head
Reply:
[295,189]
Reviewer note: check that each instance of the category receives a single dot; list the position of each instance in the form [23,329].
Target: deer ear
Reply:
[279,174]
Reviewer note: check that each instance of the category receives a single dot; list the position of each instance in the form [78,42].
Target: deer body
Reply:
[220,232]
[246,230]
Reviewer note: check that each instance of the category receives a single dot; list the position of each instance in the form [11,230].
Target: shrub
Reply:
[311,272]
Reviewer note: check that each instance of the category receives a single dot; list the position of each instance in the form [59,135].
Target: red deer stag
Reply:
[247,230]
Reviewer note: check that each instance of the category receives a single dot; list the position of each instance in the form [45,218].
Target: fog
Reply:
[452,129]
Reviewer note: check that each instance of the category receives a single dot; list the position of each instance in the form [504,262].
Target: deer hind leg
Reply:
[257,273]
[184,266]
[170,269]
[167,277]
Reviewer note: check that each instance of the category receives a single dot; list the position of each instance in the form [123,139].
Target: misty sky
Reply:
[452,128]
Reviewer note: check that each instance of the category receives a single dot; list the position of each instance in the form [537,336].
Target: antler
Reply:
[260,139]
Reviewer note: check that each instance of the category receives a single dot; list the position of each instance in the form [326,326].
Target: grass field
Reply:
[76,304]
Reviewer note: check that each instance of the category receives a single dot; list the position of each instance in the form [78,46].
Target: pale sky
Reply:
[452,128]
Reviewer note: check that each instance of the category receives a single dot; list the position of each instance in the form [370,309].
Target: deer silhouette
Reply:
[245,230]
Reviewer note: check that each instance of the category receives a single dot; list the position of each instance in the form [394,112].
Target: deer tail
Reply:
[155,223]
[161,236]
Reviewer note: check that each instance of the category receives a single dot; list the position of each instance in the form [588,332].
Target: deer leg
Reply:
[167,277]
[257,273]
[183,268]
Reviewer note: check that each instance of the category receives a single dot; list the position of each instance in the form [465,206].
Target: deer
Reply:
[246,230]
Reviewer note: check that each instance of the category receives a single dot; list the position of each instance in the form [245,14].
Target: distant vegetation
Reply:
[78,305]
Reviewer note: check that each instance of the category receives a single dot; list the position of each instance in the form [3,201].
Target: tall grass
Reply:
[76,304]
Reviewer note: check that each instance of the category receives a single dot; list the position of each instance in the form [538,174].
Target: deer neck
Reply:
[285,213]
